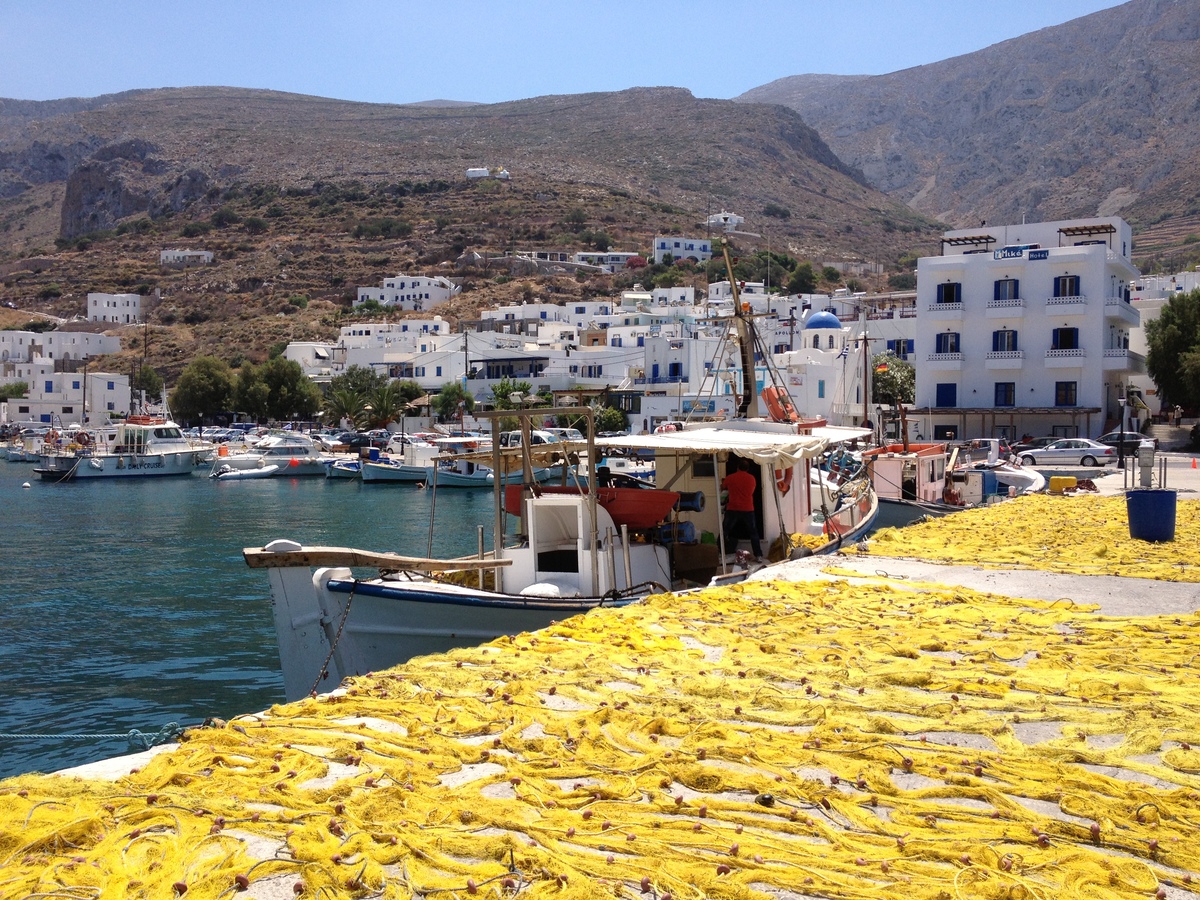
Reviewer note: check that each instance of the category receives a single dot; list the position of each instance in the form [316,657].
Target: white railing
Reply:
[1005,303]
[945,357]
[1065,354]
[1073,300]
[1006,354]
[944,308]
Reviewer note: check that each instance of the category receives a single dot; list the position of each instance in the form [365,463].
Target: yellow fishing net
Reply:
[764,741]
[1085,535]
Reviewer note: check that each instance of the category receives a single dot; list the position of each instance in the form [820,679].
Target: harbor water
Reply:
[126,604]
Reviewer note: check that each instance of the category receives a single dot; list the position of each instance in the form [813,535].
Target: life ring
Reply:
[83,439]
[779,405]
[783,479]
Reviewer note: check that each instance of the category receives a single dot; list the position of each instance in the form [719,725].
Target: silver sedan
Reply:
[1068,452]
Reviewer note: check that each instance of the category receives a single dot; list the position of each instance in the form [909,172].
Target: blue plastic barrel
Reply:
[1151,515]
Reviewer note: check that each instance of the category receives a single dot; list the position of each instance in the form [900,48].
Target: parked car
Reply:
[1070,451]
[1033,444]
[1132,440]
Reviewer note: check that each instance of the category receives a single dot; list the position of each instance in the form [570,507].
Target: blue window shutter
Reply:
[996,291]
[995,341]
[1016,288]
[910,346]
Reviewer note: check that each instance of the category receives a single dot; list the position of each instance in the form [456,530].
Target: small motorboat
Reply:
[229,473]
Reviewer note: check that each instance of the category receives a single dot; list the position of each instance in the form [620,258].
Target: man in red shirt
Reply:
[739,511]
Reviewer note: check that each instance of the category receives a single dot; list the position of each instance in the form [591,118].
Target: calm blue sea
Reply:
[125,604]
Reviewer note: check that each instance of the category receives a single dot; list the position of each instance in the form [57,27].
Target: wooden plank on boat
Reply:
[261,558]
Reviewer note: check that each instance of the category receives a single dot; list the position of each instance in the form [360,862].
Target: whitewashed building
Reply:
[1149,294]
[1026,329]
[698,250]
[415,293]
[67,398]
[31,346]
[726,221]
[184,258]
[119,309]
[610,261]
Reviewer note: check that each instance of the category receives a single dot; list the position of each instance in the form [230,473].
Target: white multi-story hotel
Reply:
[120,309]
[410,292]
[1025,329]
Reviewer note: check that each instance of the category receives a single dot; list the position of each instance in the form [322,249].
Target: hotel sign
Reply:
[1019,252]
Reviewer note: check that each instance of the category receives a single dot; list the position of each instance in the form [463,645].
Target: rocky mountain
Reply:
[1098,116]
[159,153]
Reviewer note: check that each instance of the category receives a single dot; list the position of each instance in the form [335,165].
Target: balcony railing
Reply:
[1073,300]
[945,357]
[947,308]
[1006,303]
[1077,353]
[1006,354]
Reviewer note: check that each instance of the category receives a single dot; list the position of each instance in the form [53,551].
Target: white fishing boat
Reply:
[139,447]
[289,453]
[459,464]
[348,468]
[571,552]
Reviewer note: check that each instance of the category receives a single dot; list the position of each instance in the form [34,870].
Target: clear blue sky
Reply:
[404,51]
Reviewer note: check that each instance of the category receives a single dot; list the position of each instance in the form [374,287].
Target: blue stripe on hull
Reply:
[485,599]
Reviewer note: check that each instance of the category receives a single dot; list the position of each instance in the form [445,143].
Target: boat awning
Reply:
[778,448]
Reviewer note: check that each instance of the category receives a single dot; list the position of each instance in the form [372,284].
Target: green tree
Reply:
[360,380]
[146,379]
[446,403]
[224,217]
[250,394]
[830,274]
[803,279]
[290,393]
[409,390]
[894,379]
[1173,351]
[502,390]
[13,390]
[204,389]
[609,418]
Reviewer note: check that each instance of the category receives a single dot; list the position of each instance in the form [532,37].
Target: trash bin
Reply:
[1151,515]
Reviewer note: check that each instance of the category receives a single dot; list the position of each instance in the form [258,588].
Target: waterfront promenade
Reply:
[1019,723]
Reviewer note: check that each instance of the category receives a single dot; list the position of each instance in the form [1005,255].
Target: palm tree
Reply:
[346,405]
[387,404]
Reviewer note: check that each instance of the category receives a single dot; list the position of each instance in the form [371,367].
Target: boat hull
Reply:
[481,478]
[116,465]
[380,472]
[367,626]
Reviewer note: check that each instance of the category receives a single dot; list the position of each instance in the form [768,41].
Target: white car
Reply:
[1070,452]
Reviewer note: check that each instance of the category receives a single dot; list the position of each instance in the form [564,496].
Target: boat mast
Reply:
[748,405]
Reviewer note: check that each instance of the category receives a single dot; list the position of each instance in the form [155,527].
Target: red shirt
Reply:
[741,486]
